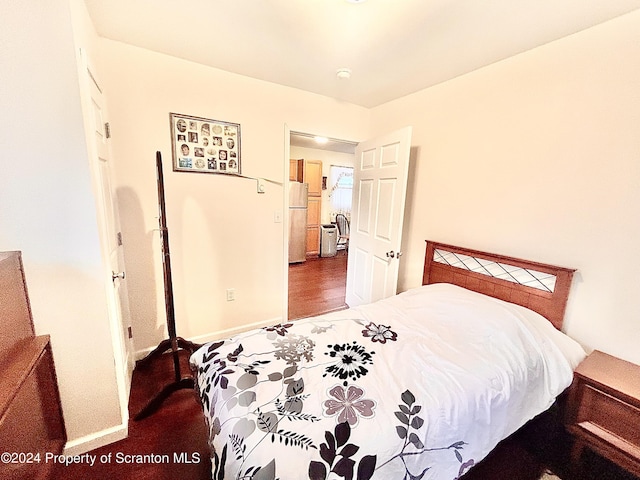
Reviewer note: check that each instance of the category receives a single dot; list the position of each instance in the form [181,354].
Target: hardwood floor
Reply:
[175,436]
[317,285]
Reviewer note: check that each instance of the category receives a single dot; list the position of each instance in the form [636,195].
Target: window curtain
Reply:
[340,190]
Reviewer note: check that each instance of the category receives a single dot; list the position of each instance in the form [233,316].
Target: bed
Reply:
[422,385]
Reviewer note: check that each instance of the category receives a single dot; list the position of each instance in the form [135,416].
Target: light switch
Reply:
[231,294]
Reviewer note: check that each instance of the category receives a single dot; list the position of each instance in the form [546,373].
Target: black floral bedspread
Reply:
[380,392]
[265,410]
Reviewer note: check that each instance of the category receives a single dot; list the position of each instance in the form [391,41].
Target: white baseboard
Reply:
[219,335]
[96,440]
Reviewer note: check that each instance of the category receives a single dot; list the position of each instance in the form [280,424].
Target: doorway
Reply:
[318,285]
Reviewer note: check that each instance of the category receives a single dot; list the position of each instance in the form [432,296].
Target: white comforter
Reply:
[422,385]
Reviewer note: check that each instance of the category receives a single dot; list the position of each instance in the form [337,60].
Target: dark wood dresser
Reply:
[604,410]
[31,422]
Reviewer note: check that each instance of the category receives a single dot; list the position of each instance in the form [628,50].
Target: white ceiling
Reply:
[392,47]
[306,140]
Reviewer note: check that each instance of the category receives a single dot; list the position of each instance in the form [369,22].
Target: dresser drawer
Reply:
[599,410]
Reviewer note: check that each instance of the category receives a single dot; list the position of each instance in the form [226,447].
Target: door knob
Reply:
[115,275]
[391,254]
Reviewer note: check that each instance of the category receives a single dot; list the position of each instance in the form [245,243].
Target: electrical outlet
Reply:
[231,294]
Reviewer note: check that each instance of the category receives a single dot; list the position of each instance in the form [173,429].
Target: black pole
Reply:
[166,269]
[173,343]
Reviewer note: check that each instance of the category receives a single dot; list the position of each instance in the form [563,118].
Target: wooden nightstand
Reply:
[604,410]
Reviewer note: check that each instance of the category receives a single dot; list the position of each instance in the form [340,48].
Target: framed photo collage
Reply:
[205,146]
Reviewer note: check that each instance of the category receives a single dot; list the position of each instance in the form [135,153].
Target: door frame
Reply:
[285,220]
[285,206]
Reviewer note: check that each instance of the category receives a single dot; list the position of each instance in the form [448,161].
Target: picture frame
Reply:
[204,145]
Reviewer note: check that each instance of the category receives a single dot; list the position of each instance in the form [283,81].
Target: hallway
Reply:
[317,285]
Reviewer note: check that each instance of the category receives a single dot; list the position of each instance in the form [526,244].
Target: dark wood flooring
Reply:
[317,285]
[178,427]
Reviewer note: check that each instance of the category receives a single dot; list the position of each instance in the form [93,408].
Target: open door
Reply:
[95,119]
[379,192]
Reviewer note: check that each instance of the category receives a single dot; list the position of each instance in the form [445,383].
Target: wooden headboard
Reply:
[537,286]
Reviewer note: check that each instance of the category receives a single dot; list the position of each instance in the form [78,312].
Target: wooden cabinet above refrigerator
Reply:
[307,171]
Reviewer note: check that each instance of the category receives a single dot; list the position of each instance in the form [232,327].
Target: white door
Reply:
[379,192]
[109,224]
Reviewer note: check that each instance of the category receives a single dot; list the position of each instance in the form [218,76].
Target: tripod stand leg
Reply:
[154,403]
[165,346]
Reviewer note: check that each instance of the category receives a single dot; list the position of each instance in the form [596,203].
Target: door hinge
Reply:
[119,238]
[107,130]
[130,332]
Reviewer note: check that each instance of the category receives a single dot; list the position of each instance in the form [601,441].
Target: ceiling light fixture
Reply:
[343,73]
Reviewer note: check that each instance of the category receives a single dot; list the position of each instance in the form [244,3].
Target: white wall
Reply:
[222,233]
[47,208]
[328,158]
[538,156]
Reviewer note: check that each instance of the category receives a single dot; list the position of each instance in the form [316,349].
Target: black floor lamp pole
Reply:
[173,343]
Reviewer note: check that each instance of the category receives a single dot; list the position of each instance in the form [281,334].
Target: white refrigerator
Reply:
[298,193]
